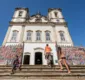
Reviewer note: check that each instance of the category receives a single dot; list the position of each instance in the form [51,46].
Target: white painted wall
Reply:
[19,29]
[54,34]
[30,48]
[68,40]
[42,29]
[11,43]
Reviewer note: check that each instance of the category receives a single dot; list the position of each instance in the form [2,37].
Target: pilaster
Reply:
[22,34]
[7,35]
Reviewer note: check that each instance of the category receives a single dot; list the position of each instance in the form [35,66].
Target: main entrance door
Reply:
[38,58]
[26,59]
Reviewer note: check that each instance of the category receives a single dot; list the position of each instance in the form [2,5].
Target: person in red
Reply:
[48,54]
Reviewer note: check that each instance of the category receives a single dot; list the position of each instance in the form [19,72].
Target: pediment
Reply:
[38,18]
[38,48]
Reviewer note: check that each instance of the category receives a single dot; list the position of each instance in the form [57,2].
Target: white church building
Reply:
[35,31]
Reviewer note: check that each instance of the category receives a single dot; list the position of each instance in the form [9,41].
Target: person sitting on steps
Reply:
[16,64]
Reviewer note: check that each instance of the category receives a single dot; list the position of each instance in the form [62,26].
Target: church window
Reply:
[47,33]
[14,36]
[56,14]
[29,35]
[20,13]
[38,35]
[62,35]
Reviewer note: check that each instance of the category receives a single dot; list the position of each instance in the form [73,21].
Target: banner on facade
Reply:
[74,55]
[8,53]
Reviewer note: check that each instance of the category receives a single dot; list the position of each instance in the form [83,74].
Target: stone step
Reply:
[43,78]
[50,67]
[43,74]
[39,72]
[41,66]
[43,70]
[53,65]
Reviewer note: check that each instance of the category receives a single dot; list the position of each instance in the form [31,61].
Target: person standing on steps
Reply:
[48,54]
[62,60]
[16,64]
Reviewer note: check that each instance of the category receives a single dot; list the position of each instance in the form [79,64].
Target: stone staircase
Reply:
[39,72]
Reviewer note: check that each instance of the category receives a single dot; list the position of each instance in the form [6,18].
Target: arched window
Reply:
[47,34]
[29,35]
[14,35]
[62,35]
[38,35]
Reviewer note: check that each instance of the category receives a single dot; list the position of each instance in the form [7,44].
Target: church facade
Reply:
[35,31]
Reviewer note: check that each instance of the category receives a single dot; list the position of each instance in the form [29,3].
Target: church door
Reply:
[38,58]
[26,59]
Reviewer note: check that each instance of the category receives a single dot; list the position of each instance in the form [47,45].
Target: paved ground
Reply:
[59,78]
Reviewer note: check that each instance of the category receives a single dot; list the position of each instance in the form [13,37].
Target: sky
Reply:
[73,12]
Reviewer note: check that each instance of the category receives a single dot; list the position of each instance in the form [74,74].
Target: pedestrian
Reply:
[62,60]
[48,55]
[16,64]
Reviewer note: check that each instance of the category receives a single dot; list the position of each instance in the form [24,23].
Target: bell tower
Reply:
[55,15]
[20,15]
[15,32]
